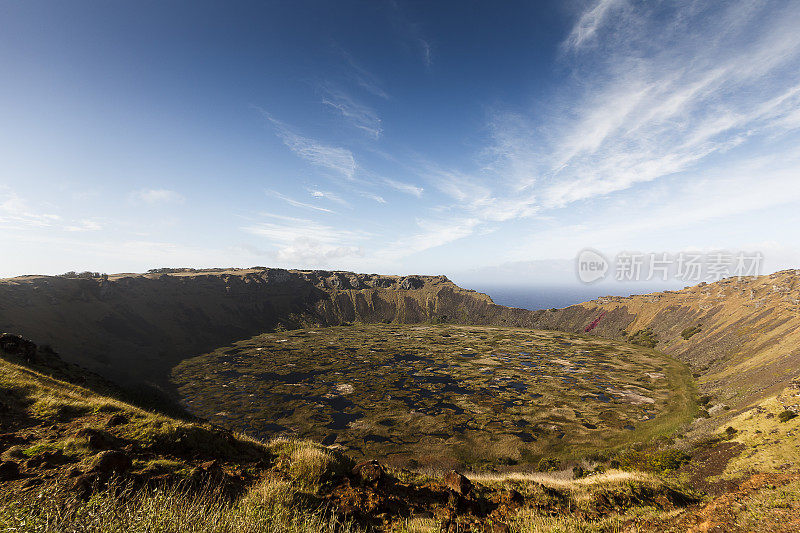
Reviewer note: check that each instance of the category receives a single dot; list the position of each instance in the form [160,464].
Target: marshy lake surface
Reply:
[439,395]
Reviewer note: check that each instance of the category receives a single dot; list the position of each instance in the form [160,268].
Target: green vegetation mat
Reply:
[440,395]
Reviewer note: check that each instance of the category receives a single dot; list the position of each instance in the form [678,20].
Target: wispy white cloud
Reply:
[590,21]
[427,56]
[328,195]
[358,114]
[296,203]
[156,196]
[17,213]
[412,32]
[334,158]
[665,96]
[482,197]
[364,78]
[378,198]
[85,224]
[299,241]
[431,233]
[407,188]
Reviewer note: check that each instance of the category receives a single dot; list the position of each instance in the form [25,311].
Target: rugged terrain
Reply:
[76,460]
[149,332]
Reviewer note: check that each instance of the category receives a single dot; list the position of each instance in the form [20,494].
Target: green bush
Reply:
[548,464]
[688,332]
[786,415]
[654,461]
[644,337]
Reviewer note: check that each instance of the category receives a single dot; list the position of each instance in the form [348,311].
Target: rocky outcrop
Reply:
[17,345]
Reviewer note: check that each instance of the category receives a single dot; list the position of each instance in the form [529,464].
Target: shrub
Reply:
[656,461]
[548,464]
[786,415]
[688,332]
[644,337]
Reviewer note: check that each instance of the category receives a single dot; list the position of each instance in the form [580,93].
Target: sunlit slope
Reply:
[741,337]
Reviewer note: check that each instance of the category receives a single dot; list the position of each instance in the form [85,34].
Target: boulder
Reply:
[458,483]
[117,419]
[17,345]
[49,459]
[508,498]
[96,438]
[84,484]
[369,472]
[111,462]
[9,470]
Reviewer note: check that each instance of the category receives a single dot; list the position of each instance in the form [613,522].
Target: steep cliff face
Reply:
[135,327]
[741,337]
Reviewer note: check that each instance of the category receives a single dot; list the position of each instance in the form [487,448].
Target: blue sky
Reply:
[464,138]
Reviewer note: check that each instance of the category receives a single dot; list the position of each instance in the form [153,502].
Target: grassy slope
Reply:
[746,348]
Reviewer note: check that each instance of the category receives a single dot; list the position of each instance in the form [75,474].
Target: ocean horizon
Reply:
[548,297]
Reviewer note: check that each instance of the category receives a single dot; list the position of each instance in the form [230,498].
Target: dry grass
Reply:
[47,398]
[531,522]
[268,508]
[771,445]
[561,481]
[310,464]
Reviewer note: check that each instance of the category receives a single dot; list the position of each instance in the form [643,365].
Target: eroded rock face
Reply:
[411,283]
[96,438]
[17,345]
[458,483]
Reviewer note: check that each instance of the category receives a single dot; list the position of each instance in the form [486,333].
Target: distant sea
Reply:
[547,297]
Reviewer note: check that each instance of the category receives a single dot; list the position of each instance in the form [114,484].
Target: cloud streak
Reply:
[663,100]
[590,22]
[338,160]
[296,203]
[404,187]
[16,213]
[359,115]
